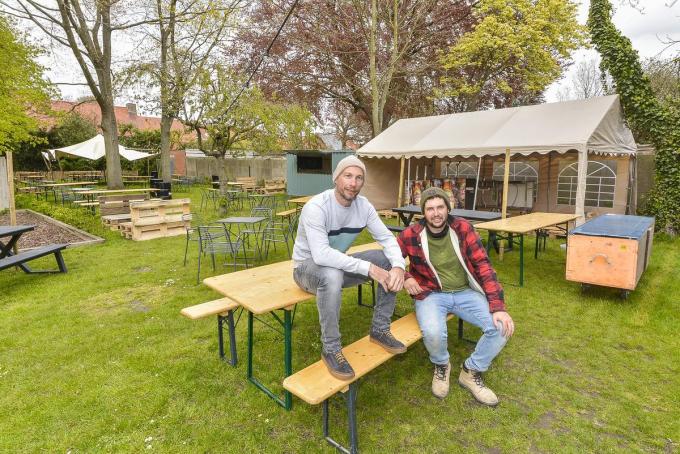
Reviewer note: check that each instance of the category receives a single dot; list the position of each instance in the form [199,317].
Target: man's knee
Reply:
[330,278]
[379,258]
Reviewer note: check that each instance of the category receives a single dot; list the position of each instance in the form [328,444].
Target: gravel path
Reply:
[44,233]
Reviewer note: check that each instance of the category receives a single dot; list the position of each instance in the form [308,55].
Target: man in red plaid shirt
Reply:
[450,273]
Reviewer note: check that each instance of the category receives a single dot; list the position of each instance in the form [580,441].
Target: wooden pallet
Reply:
[157,219]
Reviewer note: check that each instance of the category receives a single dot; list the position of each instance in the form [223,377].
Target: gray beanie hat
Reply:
[431,192]
[349,161]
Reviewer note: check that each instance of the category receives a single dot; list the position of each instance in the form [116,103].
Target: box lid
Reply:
[615,225]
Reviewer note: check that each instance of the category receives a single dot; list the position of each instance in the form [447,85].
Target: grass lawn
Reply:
[100,360]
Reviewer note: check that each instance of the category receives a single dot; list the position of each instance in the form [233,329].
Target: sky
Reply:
[646,29]
[658,20]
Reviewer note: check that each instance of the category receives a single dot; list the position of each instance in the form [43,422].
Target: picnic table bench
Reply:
[315,385]
[224,309]
[8,259]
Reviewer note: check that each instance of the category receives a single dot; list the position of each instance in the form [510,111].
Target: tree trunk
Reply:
[114,178]
[166,171]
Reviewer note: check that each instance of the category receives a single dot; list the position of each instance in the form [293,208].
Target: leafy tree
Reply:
[516,49]
[22,89]
[378,58]
[86,28]
[254,123]
[644,112]
[175,58]
[664,75]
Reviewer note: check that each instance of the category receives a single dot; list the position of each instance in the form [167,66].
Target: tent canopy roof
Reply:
[94,149]
[594,124]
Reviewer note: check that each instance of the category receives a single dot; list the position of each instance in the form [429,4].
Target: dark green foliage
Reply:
[645,114]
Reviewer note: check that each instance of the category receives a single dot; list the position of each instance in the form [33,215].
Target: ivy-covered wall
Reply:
[643,112]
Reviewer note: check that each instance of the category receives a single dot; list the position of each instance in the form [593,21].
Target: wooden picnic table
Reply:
[520,226]
[52,186]
[113,191]
[9,259]
[264,290]
[301,200]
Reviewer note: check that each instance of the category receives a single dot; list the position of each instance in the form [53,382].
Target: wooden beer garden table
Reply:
[301,200]
[521,225]
[264,290]
[407,212]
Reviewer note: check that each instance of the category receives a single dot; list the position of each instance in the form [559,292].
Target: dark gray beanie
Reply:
[433,191]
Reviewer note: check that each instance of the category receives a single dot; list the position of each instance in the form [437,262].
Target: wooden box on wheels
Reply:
[611,250]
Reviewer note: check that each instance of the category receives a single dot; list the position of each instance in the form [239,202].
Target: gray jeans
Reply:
[327,283]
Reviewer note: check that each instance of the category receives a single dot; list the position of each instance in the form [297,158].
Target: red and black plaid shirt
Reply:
[472,250]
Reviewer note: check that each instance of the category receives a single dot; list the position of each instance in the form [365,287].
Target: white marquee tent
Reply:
[94,149]
[592,126]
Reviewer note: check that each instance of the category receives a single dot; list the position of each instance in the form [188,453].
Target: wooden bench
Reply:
[315,385]
[118,204]
[22,257]
[247,183]
[275,186]
[224,309]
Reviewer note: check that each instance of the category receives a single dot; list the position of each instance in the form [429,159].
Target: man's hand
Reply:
[505,319]
[379,275]
[395,281]
[412,287]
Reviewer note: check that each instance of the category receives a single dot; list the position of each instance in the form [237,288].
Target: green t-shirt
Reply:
[445,261]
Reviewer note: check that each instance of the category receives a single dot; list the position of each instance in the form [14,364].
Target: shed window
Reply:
[320,164]
[459,170]
[600,184]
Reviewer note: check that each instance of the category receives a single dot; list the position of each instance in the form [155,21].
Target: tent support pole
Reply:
[479,169]
[401,182]
[504,207]
[547,202]
[581,185]
[408,183]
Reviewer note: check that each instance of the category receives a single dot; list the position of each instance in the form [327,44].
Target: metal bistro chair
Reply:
[208,196]
[257,230]
[217,240]
[192,235]
[279,231]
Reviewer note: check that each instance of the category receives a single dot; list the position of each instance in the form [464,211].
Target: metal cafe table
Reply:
[407,212]
[520,226]
[242,223]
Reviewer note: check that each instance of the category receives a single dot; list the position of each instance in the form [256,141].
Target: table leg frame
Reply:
[287,400]
[351,400]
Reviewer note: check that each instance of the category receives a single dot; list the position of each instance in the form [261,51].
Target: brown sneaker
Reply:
[472,381]
[440,380]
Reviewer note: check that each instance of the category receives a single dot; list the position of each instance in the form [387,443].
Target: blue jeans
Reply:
[327,283]
[472,307]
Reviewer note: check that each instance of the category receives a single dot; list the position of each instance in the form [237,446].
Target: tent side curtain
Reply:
[595,124]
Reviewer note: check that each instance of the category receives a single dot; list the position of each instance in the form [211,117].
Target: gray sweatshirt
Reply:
[327,229]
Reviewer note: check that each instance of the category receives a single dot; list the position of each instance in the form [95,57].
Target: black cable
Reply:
[266,54]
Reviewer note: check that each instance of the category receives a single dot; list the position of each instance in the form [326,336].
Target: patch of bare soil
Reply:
[44,233]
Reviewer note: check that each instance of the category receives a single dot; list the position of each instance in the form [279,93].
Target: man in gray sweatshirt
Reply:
[328,225]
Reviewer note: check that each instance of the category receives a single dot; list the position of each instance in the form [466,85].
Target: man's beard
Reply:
[433,226]
[346,197]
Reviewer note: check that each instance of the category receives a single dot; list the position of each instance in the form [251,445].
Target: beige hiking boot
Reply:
[440,380]
[472,381]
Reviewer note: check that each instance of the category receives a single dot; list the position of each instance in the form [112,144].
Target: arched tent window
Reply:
[600,184]
[459,170]
[519,171]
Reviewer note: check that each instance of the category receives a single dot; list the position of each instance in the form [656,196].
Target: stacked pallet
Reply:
[115,209]
[157,219]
